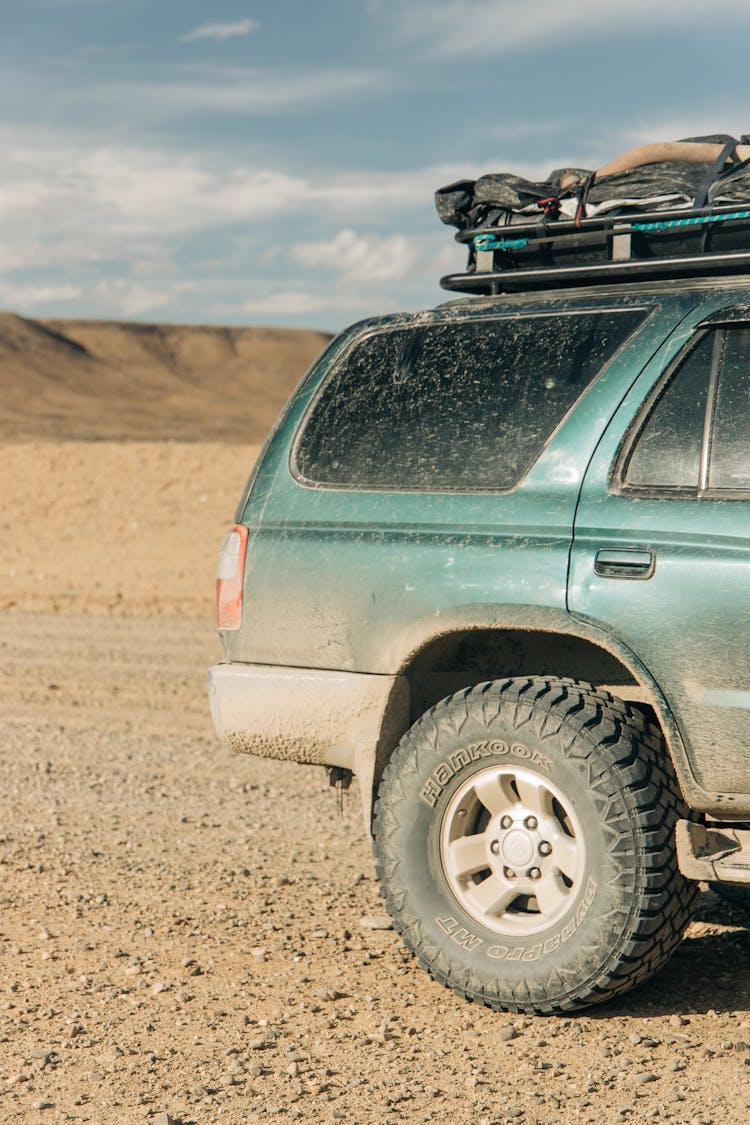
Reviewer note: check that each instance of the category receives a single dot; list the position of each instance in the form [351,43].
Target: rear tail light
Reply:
[230,575]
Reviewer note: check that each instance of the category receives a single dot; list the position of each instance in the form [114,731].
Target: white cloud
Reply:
[220,32]
[54,185]
[243,90]
[295,302]
[30,296]
[114,225]
[493,27]
[131,298]
[451,258]
[352,255]
[727,119]
[371,276]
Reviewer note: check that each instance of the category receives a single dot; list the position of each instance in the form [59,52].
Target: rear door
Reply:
[661,552]
[433,480]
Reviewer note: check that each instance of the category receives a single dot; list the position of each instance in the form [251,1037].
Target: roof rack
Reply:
[645,246]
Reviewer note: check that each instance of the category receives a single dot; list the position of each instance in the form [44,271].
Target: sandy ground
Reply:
[182,932]
[116,527]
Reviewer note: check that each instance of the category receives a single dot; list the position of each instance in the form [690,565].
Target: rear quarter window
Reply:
[729,469]
[459,406]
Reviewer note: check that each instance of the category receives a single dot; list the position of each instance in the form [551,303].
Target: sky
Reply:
[274,161]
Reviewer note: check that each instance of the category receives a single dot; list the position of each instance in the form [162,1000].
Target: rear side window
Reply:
[460,406]
[694,437]
[668,451]
[729,463]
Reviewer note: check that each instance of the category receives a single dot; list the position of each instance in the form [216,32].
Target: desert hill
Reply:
[89,379]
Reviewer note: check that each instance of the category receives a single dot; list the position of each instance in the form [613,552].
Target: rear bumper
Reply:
[303,714]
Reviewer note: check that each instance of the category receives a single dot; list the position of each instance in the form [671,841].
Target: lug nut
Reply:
[545,848]
[508,873]
[531,823]
[535,873]
[506,822]
[495,847]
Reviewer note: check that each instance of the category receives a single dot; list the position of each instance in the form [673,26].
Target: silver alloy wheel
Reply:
[512,850]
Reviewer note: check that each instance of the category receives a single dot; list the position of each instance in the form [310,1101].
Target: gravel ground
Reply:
[186,935]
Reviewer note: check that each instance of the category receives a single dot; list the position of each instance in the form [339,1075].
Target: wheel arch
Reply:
[462,657]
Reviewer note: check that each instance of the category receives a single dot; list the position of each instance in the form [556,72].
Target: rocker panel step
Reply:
[716,855]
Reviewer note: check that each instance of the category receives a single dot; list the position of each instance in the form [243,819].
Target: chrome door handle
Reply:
[622,562]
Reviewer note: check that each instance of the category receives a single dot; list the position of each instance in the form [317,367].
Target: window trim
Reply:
[648,311]
[717,359]
[618,483]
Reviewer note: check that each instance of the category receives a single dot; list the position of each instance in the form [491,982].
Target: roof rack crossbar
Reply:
[499,281]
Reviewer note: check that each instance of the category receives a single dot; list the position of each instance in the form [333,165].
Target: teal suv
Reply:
[494,560]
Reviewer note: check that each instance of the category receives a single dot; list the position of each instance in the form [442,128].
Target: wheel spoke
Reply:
[490,793]
[548,893]
[492,896]
[469,854]
[506,784]
[565,854]
[534,795]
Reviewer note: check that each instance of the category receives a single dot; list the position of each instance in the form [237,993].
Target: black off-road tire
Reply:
[606,787]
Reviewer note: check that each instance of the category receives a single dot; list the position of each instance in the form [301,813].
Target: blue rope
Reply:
[697,220]
[491,242]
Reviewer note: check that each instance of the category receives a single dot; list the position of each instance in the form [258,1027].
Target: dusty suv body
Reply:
[495,561]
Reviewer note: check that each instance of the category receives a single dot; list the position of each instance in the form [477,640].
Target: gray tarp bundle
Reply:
[501,199]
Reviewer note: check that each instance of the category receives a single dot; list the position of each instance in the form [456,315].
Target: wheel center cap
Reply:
[517,848]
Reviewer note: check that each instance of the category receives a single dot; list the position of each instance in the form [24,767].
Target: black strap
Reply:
[584,198]
[490,219]
[701,196]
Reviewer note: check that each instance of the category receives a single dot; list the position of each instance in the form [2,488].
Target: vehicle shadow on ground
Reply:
[709,971]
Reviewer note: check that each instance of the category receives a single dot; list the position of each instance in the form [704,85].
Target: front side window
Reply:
[458,406]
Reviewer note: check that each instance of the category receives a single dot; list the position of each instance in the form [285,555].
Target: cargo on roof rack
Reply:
[643,246]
